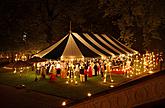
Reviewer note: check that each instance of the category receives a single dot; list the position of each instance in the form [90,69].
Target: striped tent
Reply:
[80,45]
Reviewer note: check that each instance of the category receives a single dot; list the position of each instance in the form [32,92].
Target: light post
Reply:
[24,37]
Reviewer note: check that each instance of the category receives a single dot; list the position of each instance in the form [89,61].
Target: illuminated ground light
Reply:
[67,82]
[14,71]
[104,81]
[150,72]
[130,75]
[76,82]
[63,103]
[89,94]
[111,86]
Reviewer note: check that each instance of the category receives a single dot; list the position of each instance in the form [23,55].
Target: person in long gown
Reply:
[47,68]
[58,68]
[89,71]
[108,67]
[98,69]
[37,71]
[82,79]
[77,70]
[43,72]
[102,70]
[63,72]
[52,73]
[95,69]
[85,74]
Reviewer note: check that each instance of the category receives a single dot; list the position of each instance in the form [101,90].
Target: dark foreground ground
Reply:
[11,97]
[156,104]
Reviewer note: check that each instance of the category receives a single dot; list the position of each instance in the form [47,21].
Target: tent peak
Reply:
[70,27]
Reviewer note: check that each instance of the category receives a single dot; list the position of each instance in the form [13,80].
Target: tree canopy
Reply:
[138,23]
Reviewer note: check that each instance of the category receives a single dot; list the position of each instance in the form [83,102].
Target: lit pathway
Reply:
[10,97]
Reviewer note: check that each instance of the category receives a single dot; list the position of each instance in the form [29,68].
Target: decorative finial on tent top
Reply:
[70,28]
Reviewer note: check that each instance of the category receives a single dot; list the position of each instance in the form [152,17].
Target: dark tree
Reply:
[138,20]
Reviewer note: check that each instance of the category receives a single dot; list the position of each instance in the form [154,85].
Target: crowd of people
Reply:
[91,67]
[77,68]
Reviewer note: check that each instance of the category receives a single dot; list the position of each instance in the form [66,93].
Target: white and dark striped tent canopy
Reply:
[80,45]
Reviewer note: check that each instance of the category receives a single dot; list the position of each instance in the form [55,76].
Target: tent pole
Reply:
[70,31]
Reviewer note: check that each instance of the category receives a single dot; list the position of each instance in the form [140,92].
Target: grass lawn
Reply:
[59,87]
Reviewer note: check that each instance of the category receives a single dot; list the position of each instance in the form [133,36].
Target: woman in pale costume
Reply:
[102,70]
[108,67]
[90,71]
[98,69]
[77,70]
[58,68]
[52,72]
[63,71]
[93,71]
[82,76]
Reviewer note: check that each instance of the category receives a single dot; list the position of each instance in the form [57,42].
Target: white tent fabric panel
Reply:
[46,51]
[125,46]
[103,41]
[97,44]
[71,50]
[88,45]
[105,36]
